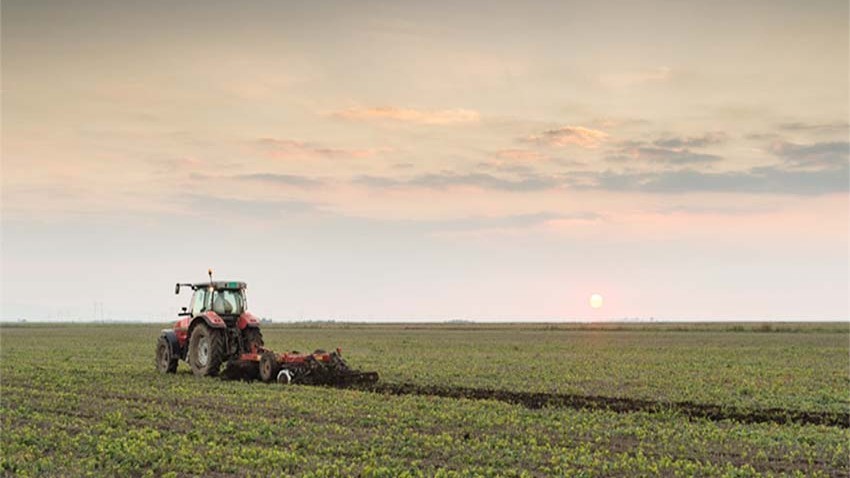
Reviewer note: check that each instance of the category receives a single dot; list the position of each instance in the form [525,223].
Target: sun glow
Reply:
[596,301]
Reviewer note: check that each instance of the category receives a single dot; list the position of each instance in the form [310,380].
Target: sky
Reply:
[427,160]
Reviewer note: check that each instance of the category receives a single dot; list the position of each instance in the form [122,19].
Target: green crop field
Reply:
[453,400]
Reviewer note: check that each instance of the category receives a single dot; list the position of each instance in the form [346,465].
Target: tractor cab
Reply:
[227,299]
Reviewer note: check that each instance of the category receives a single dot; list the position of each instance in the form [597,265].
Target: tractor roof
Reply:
[221,284]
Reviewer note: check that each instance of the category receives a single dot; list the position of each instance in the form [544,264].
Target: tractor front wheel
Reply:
[206,351]
[166,362]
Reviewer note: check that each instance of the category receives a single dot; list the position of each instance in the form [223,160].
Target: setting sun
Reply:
[596,301]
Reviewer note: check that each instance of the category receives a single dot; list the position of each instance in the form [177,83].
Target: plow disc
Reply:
[318,368]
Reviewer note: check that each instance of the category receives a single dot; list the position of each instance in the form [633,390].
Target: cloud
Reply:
[484,181]
[763,180]
[613,123]
[707,139]
[568,135]
[743,209]
[281,179]
[799,127]
[668,156]
[287,148]
[218,205]
[522,160]
[836,127]
[761,136]
[520,155]
[505,167]
[378,181]
[806,169]
[826,155]
[444,180]
[411,115]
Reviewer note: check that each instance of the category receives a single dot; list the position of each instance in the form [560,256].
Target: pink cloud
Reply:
[287,148]
[613,123]
[569,135]
[411,115]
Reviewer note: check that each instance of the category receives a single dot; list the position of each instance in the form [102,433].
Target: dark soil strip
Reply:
[535,400]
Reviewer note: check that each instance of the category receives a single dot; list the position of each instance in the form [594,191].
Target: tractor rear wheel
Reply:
[206,351]
[252,338]
[166,362]
[269,367]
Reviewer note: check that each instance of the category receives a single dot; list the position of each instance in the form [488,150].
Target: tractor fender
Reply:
[210,318]
[171,338]
[247,320]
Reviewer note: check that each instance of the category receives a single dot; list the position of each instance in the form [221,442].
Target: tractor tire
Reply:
[206,351]
[166,362]
[252,338]
[269,367]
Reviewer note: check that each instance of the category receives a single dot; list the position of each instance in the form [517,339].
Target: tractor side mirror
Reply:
[177,289]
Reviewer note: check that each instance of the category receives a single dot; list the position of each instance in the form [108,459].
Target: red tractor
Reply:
[217,329]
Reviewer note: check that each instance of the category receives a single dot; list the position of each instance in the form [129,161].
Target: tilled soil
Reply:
[536,400]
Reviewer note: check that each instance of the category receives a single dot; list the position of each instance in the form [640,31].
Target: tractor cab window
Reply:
[199,301]
[228,302]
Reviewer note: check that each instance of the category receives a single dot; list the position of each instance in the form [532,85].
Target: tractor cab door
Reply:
[199,301]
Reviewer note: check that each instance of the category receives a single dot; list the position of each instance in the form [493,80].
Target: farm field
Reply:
[83,400]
